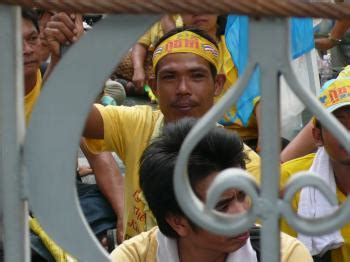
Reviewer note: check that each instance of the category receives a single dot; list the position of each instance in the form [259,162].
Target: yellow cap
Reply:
[335,94]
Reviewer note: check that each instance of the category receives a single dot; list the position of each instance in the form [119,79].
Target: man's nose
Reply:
[27,48]
[184,87]
[237,207]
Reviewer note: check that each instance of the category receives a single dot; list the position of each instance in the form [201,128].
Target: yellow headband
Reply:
[187,42]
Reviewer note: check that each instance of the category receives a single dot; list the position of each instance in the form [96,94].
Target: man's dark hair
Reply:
[221,23]
[193,30]
[218,150]
[31,15]
[317,124]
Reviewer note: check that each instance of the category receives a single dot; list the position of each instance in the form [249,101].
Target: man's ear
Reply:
[317,135]
[152,82]
[179,224]
[219,84]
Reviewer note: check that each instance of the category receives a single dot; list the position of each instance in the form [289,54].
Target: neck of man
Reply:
[189,252]
[29,83]
[342,178]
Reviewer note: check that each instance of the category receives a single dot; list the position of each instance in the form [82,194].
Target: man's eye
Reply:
[198,76]
[241,196]
[222,206]
[168,76]
[33,38]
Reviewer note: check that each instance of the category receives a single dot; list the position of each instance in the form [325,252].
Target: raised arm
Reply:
[66,29]
[167,22]
[301,145]
[258,123]
[335,36]
[62,29]
[94,128]
[138,56]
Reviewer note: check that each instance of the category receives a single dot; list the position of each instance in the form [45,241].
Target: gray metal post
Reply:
[273,60]
[262,32]
[13,204]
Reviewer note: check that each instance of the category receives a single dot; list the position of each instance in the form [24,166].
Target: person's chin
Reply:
[239,240]
[30,69]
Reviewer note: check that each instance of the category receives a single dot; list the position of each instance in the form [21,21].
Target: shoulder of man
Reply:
[137,248]
[291,248]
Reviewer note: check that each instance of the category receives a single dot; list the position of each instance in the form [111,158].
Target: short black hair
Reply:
[192,29]
[221,23]
[317,123]
[31,15]
[218,150]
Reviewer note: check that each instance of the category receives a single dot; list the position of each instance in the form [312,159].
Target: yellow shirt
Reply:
[341,254]
[227,67]
[144,247]
[151,37]
[128,131]
[30,99]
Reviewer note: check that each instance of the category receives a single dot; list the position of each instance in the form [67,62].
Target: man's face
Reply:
[31,45]
[185,86]
[333,147]
[232,201]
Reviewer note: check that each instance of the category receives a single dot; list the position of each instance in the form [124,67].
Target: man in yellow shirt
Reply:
[177,238]
[31,61]
[331,162]
[186,84]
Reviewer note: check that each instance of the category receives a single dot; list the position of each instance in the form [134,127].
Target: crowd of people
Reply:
[184,64]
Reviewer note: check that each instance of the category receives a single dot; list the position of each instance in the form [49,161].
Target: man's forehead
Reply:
[28,27]
[183,61]
[342,111]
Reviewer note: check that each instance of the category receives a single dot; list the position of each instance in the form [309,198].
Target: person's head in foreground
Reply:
[218,150]
[177,238]
[185,62]
[335,97]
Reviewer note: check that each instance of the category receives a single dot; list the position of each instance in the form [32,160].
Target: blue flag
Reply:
[236,34]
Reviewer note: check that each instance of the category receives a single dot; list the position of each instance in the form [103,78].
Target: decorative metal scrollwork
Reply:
[55,129]
[279,64]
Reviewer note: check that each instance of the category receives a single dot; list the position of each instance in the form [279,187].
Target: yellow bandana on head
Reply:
[187,42]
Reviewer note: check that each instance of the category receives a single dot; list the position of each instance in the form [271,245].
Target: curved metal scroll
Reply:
[318,226]
[56,125]
[326,118]
[272,63]
[342,215]
[191,205]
